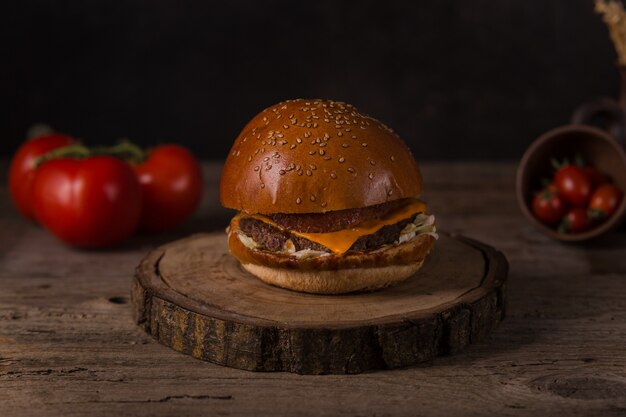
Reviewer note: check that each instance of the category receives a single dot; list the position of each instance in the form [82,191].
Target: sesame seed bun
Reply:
[306,159]
[314,156]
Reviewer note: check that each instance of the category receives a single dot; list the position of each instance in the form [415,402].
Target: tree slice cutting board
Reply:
[193,296]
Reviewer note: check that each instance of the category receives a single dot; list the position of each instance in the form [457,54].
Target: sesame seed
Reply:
[292,146]
[364,145]
[353,137]
[307,134]
[327,158]
[250,158]
[342,160]
[282,172]
[313,167]
[300,173]
[267,158]
[256,168]
[344,145]
[311,152]
[322,152]
[285,126]
[323,144]
[393,158]
[308,172]
[298,200]
[267,168]
[390,192]
[333,175]
[324,204]
[314,124]
[298,140]
[312,197]
[262,185]
[372,162]
[339,133]
[351,170]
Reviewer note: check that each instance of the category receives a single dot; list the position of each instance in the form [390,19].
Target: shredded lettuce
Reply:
[422,224]
[247,241]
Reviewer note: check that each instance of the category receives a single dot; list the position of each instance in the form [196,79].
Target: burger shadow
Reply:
[532,322]
[203,222]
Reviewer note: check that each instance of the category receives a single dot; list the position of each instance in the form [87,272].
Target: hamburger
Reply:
[327,200]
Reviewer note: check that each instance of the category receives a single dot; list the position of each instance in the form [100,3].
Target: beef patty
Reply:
[332,221]
[272,238]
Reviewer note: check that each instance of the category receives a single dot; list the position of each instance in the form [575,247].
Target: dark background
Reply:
[457,79]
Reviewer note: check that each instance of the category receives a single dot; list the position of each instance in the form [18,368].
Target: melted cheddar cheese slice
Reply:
[340,241]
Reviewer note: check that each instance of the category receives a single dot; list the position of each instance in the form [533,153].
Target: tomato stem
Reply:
[580,162]
[76,151]
[124,150]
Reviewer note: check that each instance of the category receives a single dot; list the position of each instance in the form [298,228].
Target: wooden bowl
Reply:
[597,149]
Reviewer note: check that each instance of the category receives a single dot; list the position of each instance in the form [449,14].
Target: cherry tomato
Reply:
[548,206]
[576,221]
[605,200]
[171,185]
[596,176]
[92,202]
[574,185]
[22,170]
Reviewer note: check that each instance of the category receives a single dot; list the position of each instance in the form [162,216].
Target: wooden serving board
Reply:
[193,296]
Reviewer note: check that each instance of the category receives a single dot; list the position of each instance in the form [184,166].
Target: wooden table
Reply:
[68,344]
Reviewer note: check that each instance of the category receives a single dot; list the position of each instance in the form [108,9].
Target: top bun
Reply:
[314,156]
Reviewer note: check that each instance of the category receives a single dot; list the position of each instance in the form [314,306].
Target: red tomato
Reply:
[171,185]
[92,202]
[596,176]
[605,200]
[548,207]
[576,221]
[22,170]
[574,185]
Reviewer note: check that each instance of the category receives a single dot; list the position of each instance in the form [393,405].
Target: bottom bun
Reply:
[334,282]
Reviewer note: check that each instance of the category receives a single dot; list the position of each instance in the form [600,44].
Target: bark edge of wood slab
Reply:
[192,296]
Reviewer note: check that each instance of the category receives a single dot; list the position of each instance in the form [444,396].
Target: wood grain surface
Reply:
[192,296]
[69,345]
